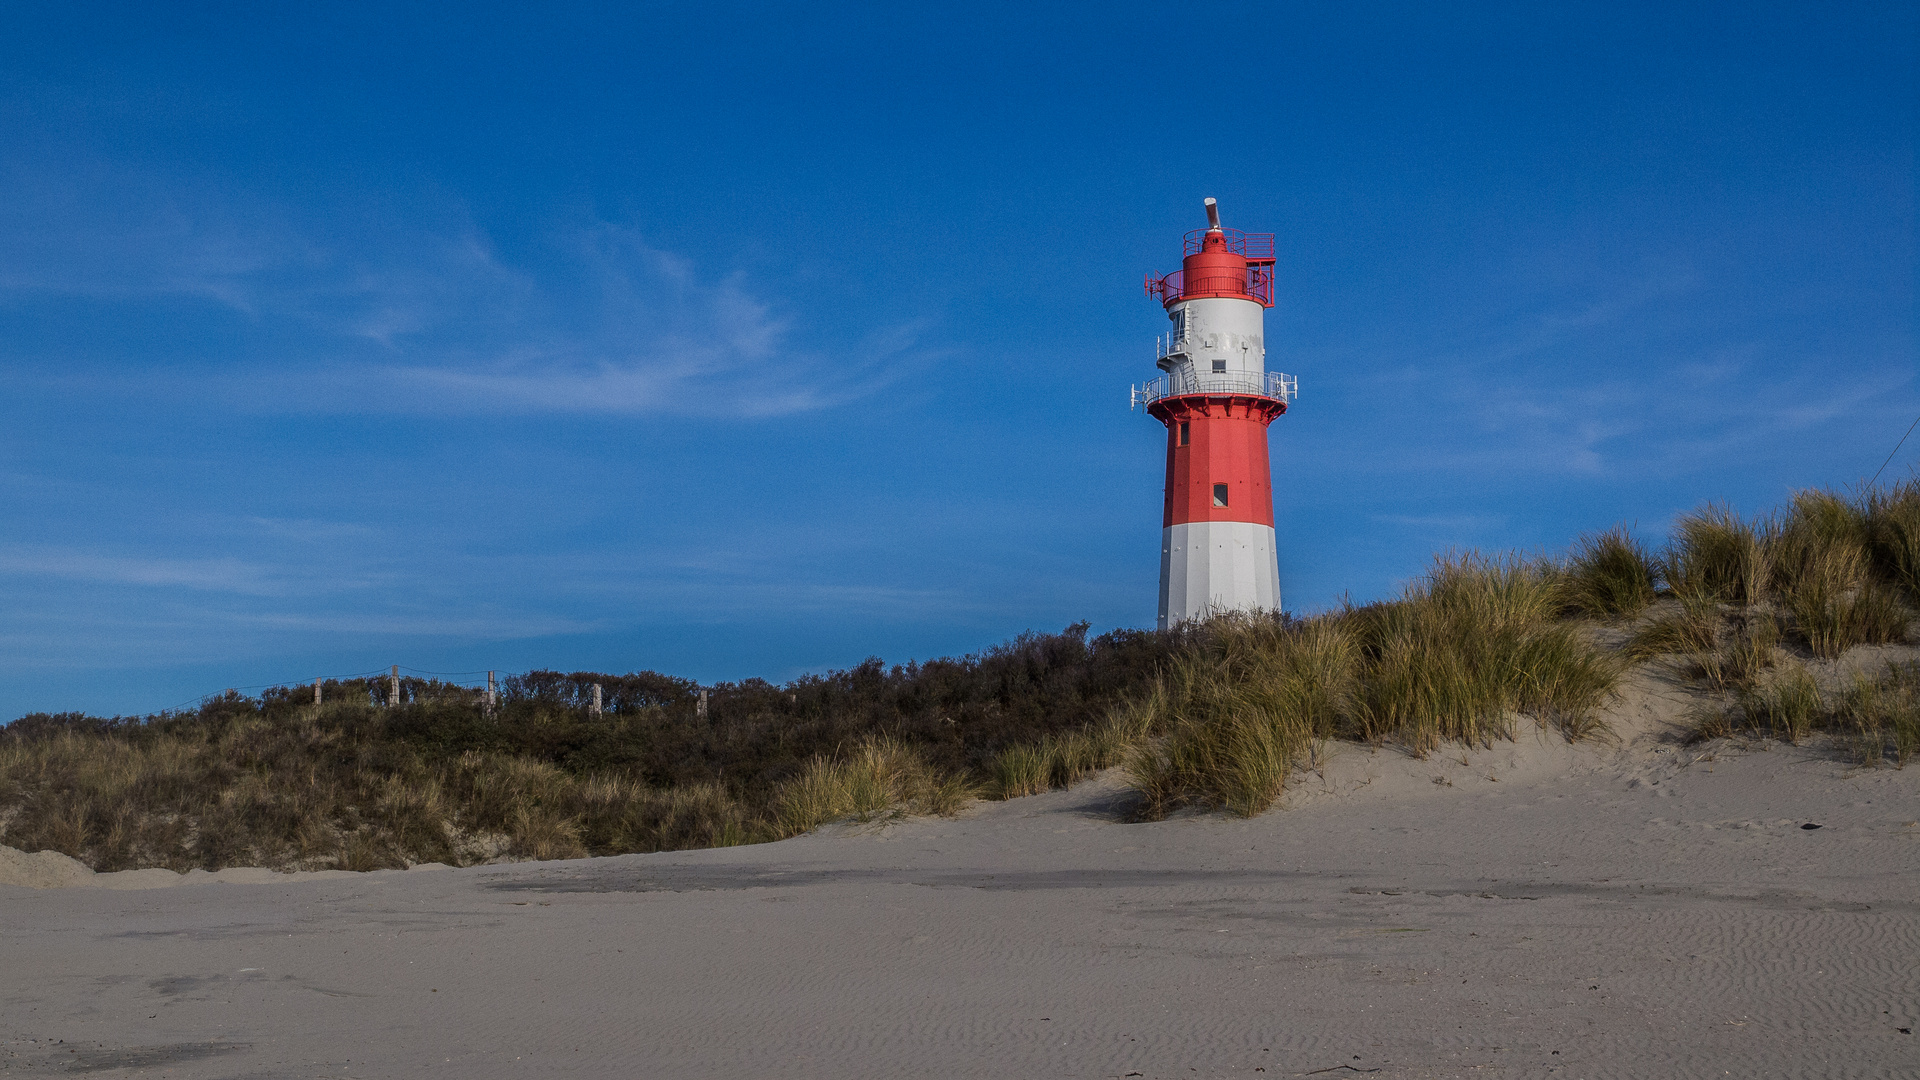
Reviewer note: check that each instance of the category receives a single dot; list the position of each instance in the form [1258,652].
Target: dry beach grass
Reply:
[1218,716]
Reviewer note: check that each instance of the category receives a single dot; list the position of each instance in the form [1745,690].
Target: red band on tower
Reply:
[1225,443]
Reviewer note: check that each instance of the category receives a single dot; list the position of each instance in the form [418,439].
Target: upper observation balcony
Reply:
[1231,264]
[1184,381]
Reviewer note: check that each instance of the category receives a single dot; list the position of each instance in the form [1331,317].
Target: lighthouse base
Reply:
[1210,567]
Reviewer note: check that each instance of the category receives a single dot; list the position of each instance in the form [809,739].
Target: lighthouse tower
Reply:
[1216,399]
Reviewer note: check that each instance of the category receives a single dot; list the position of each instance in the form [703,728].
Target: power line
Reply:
[1896,449]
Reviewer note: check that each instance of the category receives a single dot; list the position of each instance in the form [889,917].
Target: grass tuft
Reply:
[1893,536]
[1747,649]
[1823,563]
[1881,716]
[1458,657]
[1062,760]
[1695,628]
[1716,557]
[1021,770]
[1787,706]
[881,777]
[1609,575]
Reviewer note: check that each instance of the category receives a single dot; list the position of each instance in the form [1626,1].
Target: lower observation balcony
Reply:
[1266,384]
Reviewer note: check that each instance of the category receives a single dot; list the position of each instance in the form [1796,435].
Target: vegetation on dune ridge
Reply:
[279,781]
[1214,715]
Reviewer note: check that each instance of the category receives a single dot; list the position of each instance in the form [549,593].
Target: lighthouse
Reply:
[1216,399]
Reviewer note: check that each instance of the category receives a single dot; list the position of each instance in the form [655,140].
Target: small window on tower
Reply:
[1219,494]
[1186,433]
[1219,365]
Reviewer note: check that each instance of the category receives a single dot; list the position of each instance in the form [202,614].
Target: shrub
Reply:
[276,781]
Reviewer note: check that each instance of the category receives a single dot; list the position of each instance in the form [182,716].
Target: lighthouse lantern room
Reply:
[1216,399]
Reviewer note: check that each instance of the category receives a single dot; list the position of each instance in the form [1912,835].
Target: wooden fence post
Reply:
[596,699]
[316,691]
[491,699]
[703,706]
[393,694]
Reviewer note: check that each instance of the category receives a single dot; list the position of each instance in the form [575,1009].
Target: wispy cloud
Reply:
[211,575]
[390,312]
[1606,380]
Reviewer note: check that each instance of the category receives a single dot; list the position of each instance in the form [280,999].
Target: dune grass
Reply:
[1876,715]
[1893,536]
[880,777]
[1827,574]
[1238,709]
[1460,656]
[1693,628]
[1748,646]
[1060,761]
[1608,575]
[1880,716]
[1215,715]
[1482,641]
[1822,555]
[1716,557]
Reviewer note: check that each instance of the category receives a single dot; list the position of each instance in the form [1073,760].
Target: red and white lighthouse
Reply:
[1216,399]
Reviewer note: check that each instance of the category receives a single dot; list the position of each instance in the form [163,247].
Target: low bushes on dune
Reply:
[1215,714]
[278,781]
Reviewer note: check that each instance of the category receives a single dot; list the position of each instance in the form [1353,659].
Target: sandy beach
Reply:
[1629,909]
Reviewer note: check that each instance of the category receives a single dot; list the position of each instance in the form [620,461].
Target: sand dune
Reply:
[1639,908]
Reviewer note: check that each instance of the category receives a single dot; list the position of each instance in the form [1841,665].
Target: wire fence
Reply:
[399,684]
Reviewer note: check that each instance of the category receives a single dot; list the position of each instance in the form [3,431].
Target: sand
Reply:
[1635,909]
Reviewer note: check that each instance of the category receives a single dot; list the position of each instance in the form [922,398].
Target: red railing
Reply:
[1256,247]
[1257,285]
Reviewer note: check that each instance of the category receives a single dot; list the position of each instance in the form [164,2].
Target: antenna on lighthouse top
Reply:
[1213,216]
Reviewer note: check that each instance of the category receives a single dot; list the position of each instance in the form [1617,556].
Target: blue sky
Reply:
[755,340]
